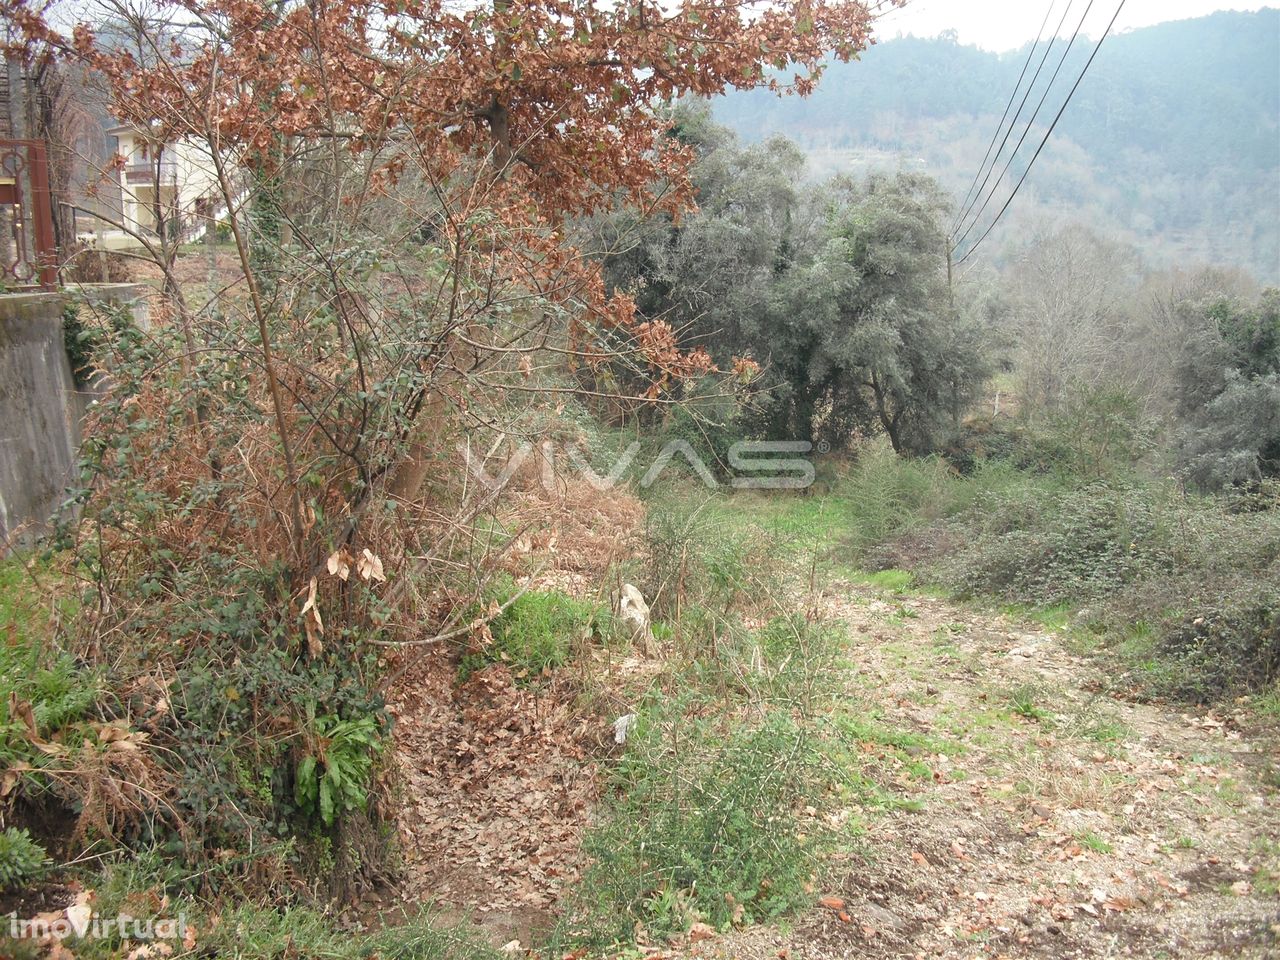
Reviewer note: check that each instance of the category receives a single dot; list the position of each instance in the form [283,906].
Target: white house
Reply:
[177,174]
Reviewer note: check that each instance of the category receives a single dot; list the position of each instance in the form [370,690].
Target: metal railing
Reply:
[147,171]
[28,254]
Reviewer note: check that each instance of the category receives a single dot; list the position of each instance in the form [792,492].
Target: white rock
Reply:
[622,726]
[633,610]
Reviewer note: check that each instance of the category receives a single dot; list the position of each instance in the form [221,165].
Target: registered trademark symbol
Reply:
[824,447]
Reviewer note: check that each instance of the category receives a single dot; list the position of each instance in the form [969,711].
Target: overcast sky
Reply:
[1006,24]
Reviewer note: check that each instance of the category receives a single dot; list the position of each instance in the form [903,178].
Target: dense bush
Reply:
[1185,584]
[1232,644]
[1044,548]
[21,858]
[884,494]
[695,557]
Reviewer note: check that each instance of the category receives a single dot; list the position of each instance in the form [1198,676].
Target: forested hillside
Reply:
[1171,143]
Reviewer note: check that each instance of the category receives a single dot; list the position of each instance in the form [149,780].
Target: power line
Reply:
[1052,127]
[977,218]
[1008,106]
[1016,117]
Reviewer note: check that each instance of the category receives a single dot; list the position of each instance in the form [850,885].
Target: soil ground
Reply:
[1054,816]
[1041,809]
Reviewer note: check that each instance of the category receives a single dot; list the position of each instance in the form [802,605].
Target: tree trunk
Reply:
[891,423]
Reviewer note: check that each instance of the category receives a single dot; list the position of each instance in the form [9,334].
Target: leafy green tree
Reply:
[839,290]
[1228,393]
[864,333]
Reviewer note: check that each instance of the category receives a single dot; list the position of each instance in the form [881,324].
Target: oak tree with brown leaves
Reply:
[399,179]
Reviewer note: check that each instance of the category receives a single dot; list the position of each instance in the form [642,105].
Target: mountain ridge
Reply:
[1172,142]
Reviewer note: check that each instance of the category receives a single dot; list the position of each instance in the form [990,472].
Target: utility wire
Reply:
[1052,127]
[964,204]
[977,217]
[1016,117]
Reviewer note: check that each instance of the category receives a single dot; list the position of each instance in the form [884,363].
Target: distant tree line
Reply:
[1073,352]
[1172,141]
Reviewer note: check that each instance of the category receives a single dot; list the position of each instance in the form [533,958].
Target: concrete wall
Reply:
[39,424]
[94,297]
[40,405]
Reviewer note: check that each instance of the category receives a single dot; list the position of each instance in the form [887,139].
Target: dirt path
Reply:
[1039,815]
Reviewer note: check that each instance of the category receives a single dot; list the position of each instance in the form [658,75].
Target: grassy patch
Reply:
[1266,875]
[145,889]
[1056,618]
[45,696]
[1267,704]
[870,730]
[897,581]
[716,806]
[536,633]
[710,819]
[1026,702]
[1091,841]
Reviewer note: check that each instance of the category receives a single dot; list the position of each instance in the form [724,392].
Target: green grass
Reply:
[715,809]
[1266,876]
[33,670]
[537,632]
[1267,704]
[1024,701]
[1056,618]
[151,890]
[896,580]
[1091,841]
[871,730]
[705,821]
[151,887]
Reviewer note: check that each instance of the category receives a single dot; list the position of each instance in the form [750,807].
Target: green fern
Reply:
[337,779]
[21,858]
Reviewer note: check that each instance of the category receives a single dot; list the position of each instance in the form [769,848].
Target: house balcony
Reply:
[143,172]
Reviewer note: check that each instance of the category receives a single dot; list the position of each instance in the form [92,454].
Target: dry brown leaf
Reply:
[22,710]
[339,563]
[370,567]
[701,931]
[312,623]
[150,951]
[10,778]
